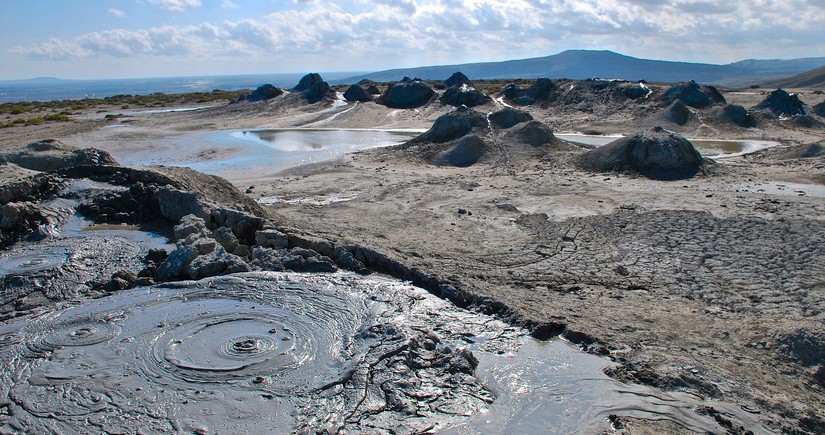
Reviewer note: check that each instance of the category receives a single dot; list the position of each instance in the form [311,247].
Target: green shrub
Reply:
[19,121]
[58,117]
[34,121]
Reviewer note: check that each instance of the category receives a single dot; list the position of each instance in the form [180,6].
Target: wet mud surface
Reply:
[283,352]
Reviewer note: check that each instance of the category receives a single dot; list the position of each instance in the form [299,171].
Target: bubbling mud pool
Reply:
[267,352]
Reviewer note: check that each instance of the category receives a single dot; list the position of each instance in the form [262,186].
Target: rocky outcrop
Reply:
[508,117]
[780,102]
[458,79]
[679,113]
[264,93]
[373,90]
[407,95]
[464,95]
[657,154]
[694,95]
[51,155]
[541,90]
[736,114]
[18,219]
[453,125]
[357,93]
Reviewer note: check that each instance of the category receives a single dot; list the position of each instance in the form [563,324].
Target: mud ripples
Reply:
[47,258]
[285,352]
[246,352]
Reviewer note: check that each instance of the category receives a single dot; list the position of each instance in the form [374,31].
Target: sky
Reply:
[94,39]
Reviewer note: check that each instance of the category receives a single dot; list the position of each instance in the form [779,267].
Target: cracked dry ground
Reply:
[700,288]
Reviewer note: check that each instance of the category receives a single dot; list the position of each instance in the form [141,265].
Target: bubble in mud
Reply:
[228,344]
[50,257]
[81,332]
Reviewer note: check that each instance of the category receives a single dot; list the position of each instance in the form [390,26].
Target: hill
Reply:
[811,79]
[582,64]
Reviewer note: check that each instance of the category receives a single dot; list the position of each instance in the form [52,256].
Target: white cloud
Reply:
[117,12]
[176,5]
[229,4]
[358,34]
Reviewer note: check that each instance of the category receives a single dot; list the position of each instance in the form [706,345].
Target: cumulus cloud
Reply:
[229,4]
[176,5]
[419,31]
[117,12]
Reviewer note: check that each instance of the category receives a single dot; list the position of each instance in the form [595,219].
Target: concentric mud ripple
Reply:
[47,258]
[76,332]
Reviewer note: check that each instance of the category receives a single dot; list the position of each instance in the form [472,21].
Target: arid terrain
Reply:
[711,284]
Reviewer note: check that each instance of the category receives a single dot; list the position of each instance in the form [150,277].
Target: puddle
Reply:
[25,263]
[244,154]
[782,188]
[730,148]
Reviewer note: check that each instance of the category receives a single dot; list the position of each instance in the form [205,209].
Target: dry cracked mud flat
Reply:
[706,293]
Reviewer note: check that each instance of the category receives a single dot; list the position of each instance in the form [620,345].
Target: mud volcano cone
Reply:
[657,154]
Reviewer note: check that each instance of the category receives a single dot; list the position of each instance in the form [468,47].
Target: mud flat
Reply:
[708,286]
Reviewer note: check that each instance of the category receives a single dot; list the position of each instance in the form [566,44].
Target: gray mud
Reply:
[281,352]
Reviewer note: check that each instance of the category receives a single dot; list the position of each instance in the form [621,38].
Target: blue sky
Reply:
[150,38]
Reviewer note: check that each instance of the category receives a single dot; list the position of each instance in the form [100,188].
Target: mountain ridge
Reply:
[583,64]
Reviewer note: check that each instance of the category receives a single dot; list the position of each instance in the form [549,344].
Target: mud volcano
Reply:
[657,154]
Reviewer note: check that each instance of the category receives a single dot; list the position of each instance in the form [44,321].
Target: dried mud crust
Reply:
[690,285]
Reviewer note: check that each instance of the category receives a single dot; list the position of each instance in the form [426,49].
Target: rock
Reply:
[174,204]
[736,114]
[307,81]
[466,152]
[53,155]
[226,238]
[464,95]
[264,93]
[156,256]
[657,154]
[374,90]
[541,90]
[694,95]
[176,265]
[18,219]
[243,224]
[191,225]
[781,102]
[458,79]
[508,117]
[206,246]
[345,259]
[453,125]
[357,93]
[271,238]
[122,280]
[297,260]
[407,95]
[216,263]
[242,251]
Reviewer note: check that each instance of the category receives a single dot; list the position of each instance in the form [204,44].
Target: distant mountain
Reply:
[811,79]
[582,64]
